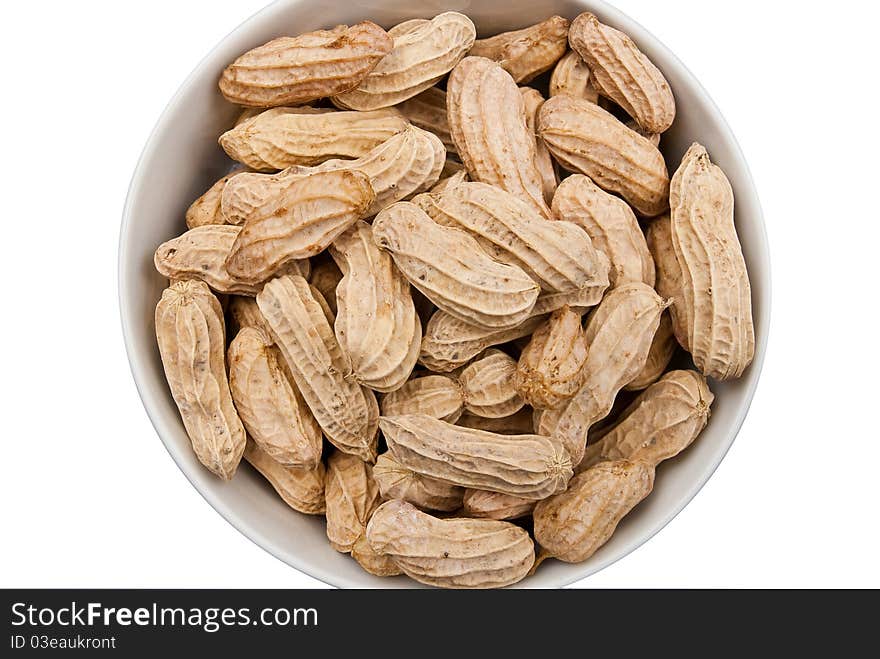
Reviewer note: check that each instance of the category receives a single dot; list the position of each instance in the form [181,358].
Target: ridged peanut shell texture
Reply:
[347,413]
[661,423]
[528,466]
[301,222]
[551,367]
[297,70]
[405,164]
[423,53]
[451,553]
[586,139]
[558,255]
[301,489]
[527,53]
[270,407]
[571,526]
[325,277]
[571,76]
[448,266]
[488,386]
[623,73]
[487,119]
[716,298]
[376,321]
[201,253]
[192,344]
[618,335]
[492,505]
[437,396]
[428,111]
[397,482]
[662,350]
[532,102]
[611,225]
[352,495]
[282,137]
[206,209]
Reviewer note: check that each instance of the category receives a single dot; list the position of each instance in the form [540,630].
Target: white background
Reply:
[89,496]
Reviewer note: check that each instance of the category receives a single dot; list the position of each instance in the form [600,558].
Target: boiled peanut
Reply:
[532,102]
[427,110]
[438,396]
[492,505]
[301,489]
[487,386]
[326,276]
[206,209]
[571,76]
[397,482]
[659,355]
[526,53]
[519,423]
[352,495]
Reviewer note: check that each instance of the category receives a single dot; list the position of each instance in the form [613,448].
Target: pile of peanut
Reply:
[395,225]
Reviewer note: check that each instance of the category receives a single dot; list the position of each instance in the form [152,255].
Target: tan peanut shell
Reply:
[533,101]
[519,423]
[271,409]
[669,275]
[201,253]
[326,276]
[423,53]
[571,76]
[487,386]
[558,255]
[376,564]
[653,138]
[527,53]
[249,193]
[352,495]
[283,137]
[449,182]
[297,70]
[618,335]
[397,482]
[611,225]
[450,342]
[623,73]
[301,222]
[206,209]
[451,553]
[487,119]
[427,110]
[661,423]
[716,295]
[347,413]
[301,489]
[551,367]
[492,505]
[244,312]
[376,321]
[407,163]
[448,266]
[586,139]
[438,396]
[660,354]
[192,345]
[571,526]
[529,466]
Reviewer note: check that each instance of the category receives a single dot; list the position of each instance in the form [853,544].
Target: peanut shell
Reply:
[492,505]
[488,388]
[397,482]
[660,354]
[527,53]
[301,489]
[533,101]
[206,209]
[427,110]
[326,276]
[571,76]
[352,495]
[437,396]
[519,423]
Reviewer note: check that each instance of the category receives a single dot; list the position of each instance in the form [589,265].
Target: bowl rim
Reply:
[316,571]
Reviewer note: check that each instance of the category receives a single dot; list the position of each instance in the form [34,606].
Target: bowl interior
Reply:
[182,159]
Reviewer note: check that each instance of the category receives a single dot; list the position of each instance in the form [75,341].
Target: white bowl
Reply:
[182,159]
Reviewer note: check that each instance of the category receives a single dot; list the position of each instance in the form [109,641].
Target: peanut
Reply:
[532,102]
[487,119]
[529,466]
[301,489]
[297,70]
[716,296]
[244,312]
[448,266]
[492,505]
[519,423]
[282,137]
[529,52]
[571,526]
[427,110]
[669,275]
[373,562]
[449,182]
[661,423]
[487,386]
[623,73]
[586,139]
[423,53]
[310,214]
[443,552]
[192,342]
[347,413]
[201,253]
[571,76]
[618,335]
[352,495]
[659,355]
[206,209]
[247,194]
[558,255]
[271,409]
[397,482]
[551,367]
[325,277]
[376,321]
[611,225]
[437,396]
